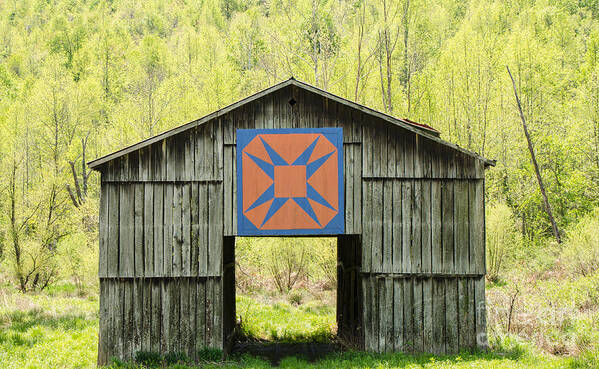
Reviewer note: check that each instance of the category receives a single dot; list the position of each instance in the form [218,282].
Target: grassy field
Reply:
[58,329]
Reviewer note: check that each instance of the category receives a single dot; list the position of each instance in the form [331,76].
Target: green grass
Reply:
[61,331]
[283,322]
[40,331]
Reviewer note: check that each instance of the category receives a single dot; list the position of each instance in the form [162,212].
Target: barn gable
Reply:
[299,96]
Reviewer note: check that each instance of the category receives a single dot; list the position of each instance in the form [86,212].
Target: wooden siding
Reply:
[412,262]
[160,315]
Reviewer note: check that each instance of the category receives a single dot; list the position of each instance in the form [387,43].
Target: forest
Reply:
[82,78]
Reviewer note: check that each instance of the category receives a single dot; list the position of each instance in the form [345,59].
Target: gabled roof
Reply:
[420,129]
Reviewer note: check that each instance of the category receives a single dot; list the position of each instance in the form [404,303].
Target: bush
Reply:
[295,298]
[148,358]
[287,262]
[502,238]
[581,250]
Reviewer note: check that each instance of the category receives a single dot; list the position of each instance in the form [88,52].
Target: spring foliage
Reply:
[81,78]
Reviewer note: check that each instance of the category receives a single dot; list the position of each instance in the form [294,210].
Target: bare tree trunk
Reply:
[360,40]
[406,66]
[14,228]
[534,162]
[84,173]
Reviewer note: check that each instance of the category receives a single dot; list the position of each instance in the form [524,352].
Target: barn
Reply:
[406,207]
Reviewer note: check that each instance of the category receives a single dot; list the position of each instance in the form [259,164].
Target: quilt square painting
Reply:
[290,181]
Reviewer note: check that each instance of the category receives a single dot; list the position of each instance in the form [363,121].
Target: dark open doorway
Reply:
[308,294]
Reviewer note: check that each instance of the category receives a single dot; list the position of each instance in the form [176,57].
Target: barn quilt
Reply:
[290,181]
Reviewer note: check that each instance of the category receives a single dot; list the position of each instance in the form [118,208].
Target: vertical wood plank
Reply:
[218,313]
[184,320]
[193,327]
[209,320]
[426,227]
[228,190]
[451,315]
[268,111]
[195,230]
[398,304]
[367,313]
[168,243]
[177,245]
[387,226]
[416,249]
[367,227]
[137,306]
[126,233]
[148,228]
[391,138]
[447,227]
[408,314]
[165,316]
[436,228]
[377,225]
[128,334]
[409,144]
[103,237]
[186,231]
[118,317]
[367,149]
[418,316]
[174,290]
[397,227]
[348,181]
[201,314]
[461,227]
[374,303]
[382,320]
[465,320]
[156,315]
[389,322]
[146,315]
[215,232]
[139,234]
[203,226]
[357,178]
[189,150]
[400,155]
[476,225]
[438,316]
[471,315]
[218,151]
[427,306]
[159,227]
[406,221]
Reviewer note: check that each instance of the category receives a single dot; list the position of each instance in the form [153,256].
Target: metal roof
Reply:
[418,128]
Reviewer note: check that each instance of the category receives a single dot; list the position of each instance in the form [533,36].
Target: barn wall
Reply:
[416,209]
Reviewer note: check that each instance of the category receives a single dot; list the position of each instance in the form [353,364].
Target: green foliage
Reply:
[148,358]
[113,73]
[210,355]
[285,262]
[581,250]
[503,240]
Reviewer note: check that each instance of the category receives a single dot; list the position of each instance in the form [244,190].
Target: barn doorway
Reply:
[292,290]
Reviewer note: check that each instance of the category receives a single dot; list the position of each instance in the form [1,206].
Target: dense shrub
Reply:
[502,238]
[581,249]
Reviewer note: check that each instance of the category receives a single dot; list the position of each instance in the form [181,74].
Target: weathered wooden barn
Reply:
[411,254]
